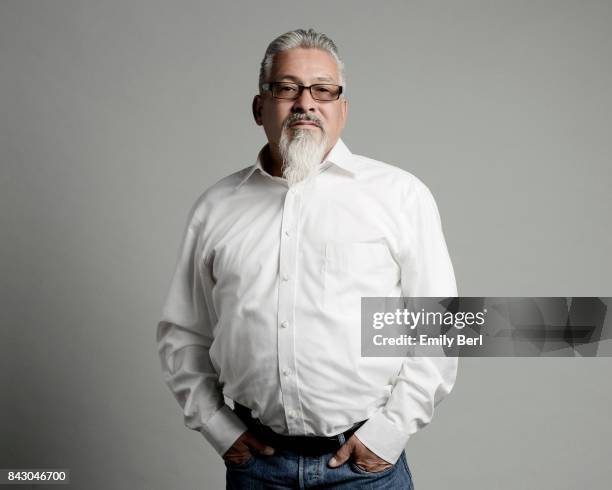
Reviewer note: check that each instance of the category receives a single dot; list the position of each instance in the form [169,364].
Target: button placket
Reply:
[286,311]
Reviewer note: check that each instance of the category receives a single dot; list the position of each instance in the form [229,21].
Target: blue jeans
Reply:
[288,470]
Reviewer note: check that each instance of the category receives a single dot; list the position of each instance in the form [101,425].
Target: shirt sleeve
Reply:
[184,337]
[422,382]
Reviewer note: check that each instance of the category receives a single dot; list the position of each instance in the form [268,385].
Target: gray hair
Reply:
[299,38]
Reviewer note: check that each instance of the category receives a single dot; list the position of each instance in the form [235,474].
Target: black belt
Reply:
[304,445]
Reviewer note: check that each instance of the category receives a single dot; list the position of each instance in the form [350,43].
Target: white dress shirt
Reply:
[264,305]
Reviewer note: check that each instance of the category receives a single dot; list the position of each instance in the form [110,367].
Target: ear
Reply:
[344,109]
[256,107]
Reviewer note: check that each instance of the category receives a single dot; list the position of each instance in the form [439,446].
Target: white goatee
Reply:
[301,151]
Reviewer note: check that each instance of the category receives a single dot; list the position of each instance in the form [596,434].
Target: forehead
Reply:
[305,65]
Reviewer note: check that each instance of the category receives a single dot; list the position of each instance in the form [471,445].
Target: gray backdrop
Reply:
[116,115]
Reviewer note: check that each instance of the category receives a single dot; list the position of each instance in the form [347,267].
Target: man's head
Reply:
[301,124]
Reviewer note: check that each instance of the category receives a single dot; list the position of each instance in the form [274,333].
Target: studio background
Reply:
[116,115]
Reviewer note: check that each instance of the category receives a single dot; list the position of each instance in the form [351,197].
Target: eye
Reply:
[286,88]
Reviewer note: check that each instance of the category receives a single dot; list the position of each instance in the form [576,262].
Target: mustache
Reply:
[293,118]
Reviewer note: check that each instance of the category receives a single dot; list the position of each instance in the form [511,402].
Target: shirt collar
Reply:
[253,168]
[342,157]
[339,155]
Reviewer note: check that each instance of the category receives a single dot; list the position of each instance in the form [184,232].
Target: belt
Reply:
[304,445]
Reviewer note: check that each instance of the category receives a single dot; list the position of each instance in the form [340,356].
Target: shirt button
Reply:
[287,372]
[286,277]
[287,233]
[292,413]
[285,324]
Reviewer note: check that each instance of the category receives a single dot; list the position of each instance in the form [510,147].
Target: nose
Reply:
[304,103]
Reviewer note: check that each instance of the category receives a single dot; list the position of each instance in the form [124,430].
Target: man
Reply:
[264,306]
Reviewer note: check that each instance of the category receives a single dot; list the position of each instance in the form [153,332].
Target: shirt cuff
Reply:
[222,429]
[382,437]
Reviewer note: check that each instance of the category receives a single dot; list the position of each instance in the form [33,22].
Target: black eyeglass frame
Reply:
[268,87]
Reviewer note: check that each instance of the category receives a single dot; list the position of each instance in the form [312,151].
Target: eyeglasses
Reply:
[322,92]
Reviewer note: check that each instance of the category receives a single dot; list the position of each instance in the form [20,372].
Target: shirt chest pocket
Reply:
[357,269]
